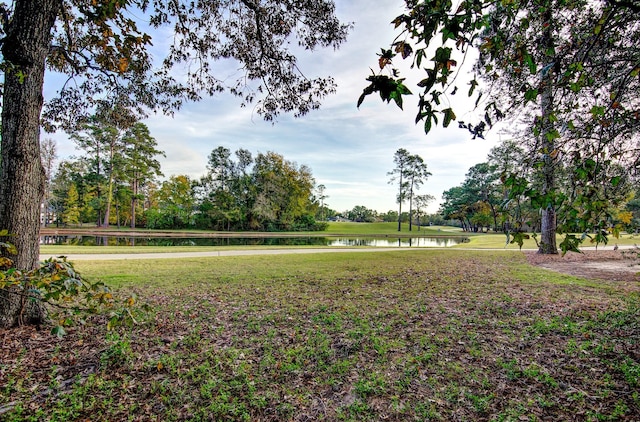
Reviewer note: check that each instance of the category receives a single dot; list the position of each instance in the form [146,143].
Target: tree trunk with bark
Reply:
[22,175]
[548,244]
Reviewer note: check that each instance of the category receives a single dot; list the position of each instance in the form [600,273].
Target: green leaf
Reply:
[449,115]
[443,54]
[531,64]
[473,84]
[531,95]
[429,81]
[570,243]
[397,97]
[552,134]
[597,111]
[58,331]
[428,124]
[419,56]
[519,238]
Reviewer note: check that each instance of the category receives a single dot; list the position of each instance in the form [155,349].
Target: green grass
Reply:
[411,335]
[499,241]
[372,229]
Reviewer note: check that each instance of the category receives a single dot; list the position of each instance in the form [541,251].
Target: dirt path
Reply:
[612,265]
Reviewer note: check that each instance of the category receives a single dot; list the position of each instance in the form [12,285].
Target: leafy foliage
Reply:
[511,60]
[548,67]
[104,48]
[69,297]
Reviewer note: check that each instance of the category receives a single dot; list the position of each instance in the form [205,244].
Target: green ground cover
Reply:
[389,229]
[412,335]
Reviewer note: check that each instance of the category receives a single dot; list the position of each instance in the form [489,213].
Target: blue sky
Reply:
[349,150]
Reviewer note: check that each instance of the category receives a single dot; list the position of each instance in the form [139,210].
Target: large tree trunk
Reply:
[22,176]
[548,244]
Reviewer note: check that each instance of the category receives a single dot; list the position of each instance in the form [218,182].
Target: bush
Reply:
[69,297]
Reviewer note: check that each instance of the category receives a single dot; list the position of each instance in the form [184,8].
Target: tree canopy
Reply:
[565,73]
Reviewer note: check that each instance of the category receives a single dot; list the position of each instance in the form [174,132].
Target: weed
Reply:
[512,370]
[631,371]
[537,373]
[480,402]
[118,352]
[371,385]
[356,411]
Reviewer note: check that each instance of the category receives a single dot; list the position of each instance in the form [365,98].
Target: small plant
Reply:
[118,353]
[480,403]
[68,296]
[631,371]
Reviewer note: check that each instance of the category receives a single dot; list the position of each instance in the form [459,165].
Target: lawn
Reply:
[412,335]
[373,229]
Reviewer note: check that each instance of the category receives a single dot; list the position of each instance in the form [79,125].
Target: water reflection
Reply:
[387,242]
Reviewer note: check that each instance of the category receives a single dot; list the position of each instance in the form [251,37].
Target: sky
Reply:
[349,150]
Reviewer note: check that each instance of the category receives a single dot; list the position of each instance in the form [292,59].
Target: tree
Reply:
[94,138]
[417,174]
[321,197]
[402,160]
[410,172]
[112,140]
[69,173]
[547,61]
[141,166]
[361,214]
[175,204]
[481,180]
[48,154]
[422,202]
[283,190]
[71,214]
[456,206]
[98,45]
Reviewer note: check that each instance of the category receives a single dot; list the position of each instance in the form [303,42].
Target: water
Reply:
[387,242]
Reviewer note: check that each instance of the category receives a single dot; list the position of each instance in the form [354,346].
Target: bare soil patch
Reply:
[602,265]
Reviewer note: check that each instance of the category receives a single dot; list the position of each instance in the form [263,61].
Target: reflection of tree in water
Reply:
[250,241]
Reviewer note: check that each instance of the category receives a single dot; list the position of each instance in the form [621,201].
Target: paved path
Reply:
[271,251]
[231,252]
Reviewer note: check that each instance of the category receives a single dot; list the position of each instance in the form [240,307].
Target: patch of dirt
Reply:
[603,265]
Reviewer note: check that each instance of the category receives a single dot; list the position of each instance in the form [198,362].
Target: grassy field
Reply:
[414,335]
[373,229]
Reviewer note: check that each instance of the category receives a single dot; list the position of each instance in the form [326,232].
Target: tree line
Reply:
[496,195]
[116,181]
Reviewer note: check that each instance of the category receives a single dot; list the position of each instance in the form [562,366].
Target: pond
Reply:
[386,242]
